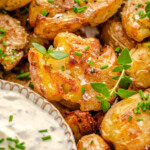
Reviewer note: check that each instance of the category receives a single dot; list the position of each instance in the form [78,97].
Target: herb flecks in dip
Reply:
[23,125]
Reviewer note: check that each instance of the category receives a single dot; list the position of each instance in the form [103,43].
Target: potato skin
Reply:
[125,134]
[62,18]
[114,35]
[10,5]
[138,29]
[81,123]
[140,69]
[92,142]
[16,38]
[57,84]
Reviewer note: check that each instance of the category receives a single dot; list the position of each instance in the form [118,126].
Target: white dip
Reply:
[28,120]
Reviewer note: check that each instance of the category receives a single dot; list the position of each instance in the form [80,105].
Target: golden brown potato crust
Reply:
[92,142]
[55,84]
[10,5]
[125,134]
[62,18]
[15,38]
[136,28]
[114,35]
[140,70]
[81,123]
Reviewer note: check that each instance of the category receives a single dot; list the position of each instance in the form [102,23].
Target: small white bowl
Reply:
[44,104]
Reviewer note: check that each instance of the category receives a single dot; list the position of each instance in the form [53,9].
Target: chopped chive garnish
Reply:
[82,89]
[130,117]
[79,10]
[77,1]
[1,51]
[3,55]
[51,1]
[31,85]
[12,140]
[141,94]
[41,131]
[2,148]
[90,63]
[45,13]
[117,50]
[104,67]
[140,119]
[82,9]
[1,141]
[10,147]
[4,43]
[13,51]
[139,4]
[10,118]
[2,30]
[87,47]
[75,9]
[23,75]
[78,54]
[92,141]
[63,68]
[46,138]
[20,146]
[83,148]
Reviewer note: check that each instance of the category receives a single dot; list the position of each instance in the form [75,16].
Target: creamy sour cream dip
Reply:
[22,120]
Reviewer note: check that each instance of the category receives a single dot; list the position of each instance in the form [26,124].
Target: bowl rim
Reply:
[43,104]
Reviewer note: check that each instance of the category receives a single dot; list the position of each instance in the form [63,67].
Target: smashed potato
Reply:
[124,132]
[68,15]
[114,35]
[10,5]
[79,71]
[92,142]
[13,38]
[81,123]
[140,69]
[135,26]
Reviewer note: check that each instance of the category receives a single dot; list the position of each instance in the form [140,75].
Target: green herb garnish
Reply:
[10,118]
[46,138]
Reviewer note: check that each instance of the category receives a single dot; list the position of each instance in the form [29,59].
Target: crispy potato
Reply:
[81,123]
[62,18]
[10,5]
[122,133]
[136,28]
[114,35]
[140,70]
[55,84]
[92,142]
[98,119]
[15,38]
